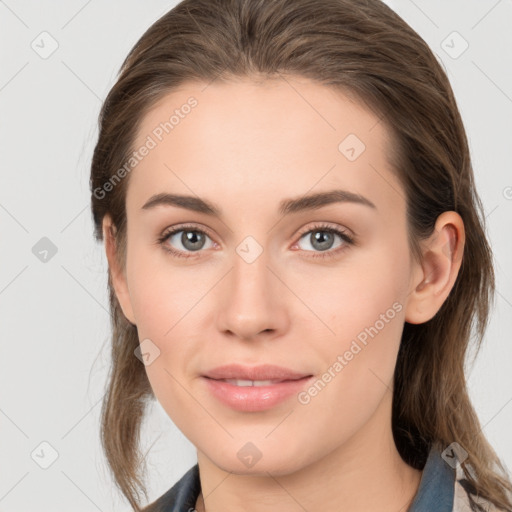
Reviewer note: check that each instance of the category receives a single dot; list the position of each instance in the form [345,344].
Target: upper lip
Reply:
[261,372]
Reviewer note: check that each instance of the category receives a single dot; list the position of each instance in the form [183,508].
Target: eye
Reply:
[192,239]
[322,237]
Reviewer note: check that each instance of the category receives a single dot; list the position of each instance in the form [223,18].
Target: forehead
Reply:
[252,139]
[296,106]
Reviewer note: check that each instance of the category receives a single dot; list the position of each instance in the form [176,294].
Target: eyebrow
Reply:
[286,207]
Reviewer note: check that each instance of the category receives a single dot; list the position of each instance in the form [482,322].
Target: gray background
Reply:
[54,314]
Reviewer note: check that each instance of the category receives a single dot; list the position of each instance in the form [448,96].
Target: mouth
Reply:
[257,383]
[255,395]
[261,375]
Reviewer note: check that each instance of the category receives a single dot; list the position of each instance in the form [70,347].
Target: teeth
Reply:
[239,382]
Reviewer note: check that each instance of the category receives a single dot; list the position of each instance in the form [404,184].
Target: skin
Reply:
[245,147]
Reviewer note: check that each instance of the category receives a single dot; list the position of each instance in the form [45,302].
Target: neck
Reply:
[364,473]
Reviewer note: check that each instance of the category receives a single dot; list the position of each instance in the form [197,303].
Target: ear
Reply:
[117,274]
[434,277]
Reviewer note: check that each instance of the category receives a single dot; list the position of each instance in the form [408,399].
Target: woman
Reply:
[296,255]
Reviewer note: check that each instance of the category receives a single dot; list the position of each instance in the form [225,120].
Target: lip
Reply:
[254,398]
[260,372]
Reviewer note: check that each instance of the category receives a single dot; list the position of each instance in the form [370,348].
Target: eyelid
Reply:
[167,232]
[321,225]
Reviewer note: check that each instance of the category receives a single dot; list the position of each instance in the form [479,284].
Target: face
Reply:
[320,288]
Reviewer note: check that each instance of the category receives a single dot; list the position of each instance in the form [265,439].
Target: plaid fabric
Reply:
[464,500]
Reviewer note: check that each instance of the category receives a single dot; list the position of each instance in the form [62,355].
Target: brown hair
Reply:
[366,50]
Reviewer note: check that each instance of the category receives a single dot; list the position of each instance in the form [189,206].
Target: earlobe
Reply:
[118,277]
[435,276]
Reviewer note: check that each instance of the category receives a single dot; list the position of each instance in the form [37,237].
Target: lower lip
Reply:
[254,398]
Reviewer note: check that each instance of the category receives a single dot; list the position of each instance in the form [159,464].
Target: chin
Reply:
[249,460]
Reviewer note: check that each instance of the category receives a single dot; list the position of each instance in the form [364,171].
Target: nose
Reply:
[252,300]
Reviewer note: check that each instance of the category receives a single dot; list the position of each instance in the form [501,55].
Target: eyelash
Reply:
[318,227]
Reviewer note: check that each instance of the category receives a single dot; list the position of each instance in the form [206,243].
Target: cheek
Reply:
[161,293]
[164,304]
[365,322]
[361,307]
[359,363]
[366,290]
[172,392]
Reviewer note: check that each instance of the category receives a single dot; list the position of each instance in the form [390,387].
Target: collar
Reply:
[436,489]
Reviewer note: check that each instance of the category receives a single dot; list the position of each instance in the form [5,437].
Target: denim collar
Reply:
[437,484]
[435,492]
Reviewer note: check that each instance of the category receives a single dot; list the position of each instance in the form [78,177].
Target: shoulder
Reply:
[181,497]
